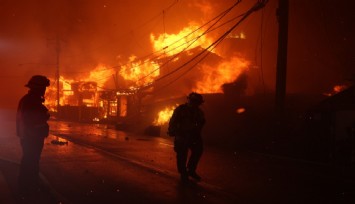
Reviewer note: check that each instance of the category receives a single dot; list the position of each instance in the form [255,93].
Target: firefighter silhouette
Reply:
[185,126]
[32,128]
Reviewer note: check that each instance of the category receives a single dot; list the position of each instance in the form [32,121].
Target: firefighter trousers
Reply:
[29,168]
[185,164]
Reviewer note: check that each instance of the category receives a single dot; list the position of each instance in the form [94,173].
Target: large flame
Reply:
[101,74]
[140,73]
[98,76]
[187,38]
[64,94]
[164,115]
[211,78]
[226,72]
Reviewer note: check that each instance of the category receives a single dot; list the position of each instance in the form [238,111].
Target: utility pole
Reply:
[57,71]
[115,79]
[281,69]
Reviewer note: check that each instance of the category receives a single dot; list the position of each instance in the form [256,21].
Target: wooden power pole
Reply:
[57,72]
[281,69]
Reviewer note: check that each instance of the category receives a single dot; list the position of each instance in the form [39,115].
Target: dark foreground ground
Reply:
[84,163]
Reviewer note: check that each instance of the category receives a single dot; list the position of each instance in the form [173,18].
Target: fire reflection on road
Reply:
[98,130]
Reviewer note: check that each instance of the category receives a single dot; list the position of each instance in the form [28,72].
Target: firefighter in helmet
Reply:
[185,126]
[32,128]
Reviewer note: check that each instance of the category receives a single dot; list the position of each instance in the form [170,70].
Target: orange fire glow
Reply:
[339,88]
[140,73]
[187,38]
[164,115]
[101,74]
[51,93]
[212,78]
[240,110]
[336,89]
[226,72]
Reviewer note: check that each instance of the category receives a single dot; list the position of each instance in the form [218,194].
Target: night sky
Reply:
[320,54]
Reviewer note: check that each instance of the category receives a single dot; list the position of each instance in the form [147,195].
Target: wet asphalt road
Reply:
[101,165]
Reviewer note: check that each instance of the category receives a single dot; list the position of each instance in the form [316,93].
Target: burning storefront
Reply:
[82,99]
[81,104]
[79,101]
[148,94]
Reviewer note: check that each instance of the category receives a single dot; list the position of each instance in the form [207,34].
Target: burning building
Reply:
[146,83]
[148,88]
[78,100]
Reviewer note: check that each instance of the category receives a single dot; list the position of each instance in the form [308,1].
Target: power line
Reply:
[164,50]
[189,43]
[260,4]
[174,2]
[218,17]
[210,29]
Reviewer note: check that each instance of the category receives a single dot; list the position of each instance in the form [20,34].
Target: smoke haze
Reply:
[93,32]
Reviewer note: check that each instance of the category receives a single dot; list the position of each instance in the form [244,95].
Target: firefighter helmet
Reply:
[195,98]
[37,81]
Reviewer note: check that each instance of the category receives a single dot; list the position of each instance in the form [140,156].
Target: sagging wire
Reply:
[260,4]
[218,17]
[164,50]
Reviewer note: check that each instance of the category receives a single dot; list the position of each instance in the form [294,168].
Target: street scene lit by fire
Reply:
[268,84]
[138,79]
